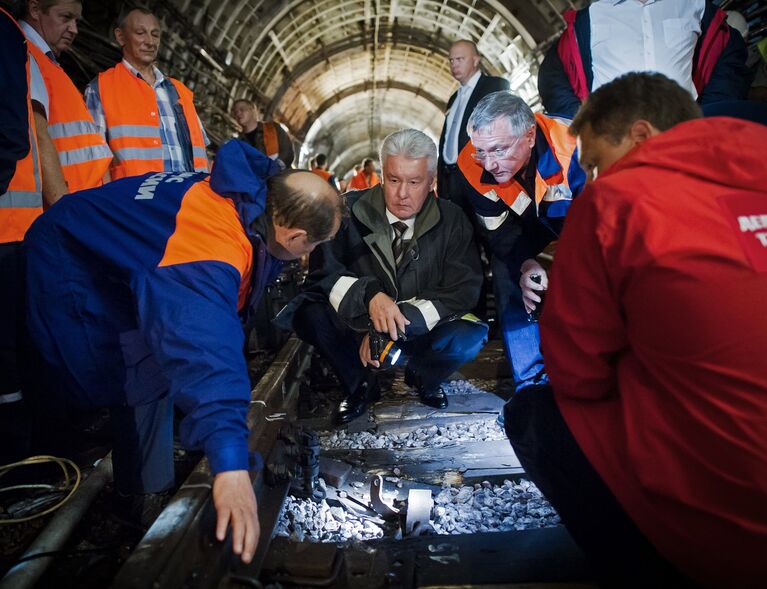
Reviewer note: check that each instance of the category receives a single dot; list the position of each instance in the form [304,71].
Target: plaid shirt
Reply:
[173,156]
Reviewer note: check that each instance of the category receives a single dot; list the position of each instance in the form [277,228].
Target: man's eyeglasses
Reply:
[496,154]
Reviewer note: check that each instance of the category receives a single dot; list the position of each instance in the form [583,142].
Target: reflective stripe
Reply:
[199,152]
[339,290]
[560,119]
[120,131]
[84,154]
[21,199]
[492,223]
[11,398]
[35,162]
[71,129]
[427,309]
[138,153]
[558,192]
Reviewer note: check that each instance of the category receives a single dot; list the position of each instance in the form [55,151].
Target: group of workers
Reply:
[644,419]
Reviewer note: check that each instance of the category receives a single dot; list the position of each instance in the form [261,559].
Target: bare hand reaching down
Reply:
[235,504]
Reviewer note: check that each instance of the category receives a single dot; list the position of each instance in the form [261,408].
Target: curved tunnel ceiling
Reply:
[342,74]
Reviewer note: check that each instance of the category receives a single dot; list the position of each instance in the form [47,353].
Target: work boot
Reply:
[357,403]
[433,396]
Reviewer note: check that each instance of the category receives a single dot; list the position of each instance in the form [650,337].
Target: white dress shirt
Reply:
[450,149]
[657,35]
[408,235]
[37,89]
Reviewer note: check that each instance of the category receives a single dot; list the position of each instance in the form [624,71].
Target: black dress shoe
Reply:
[357,403]
[411,379]
[433,397]
[351,408]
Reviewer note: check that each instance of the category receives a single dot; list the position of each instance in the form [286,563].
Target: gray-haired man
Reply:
[521,173]
[405,264]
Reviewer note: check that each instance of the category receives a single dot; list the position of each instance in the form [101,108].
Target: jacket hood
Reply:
[240,173]
[719,150]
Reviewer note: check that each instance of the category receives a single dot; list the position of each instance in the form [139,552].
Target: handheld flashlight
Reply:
[384,349]
[535,314]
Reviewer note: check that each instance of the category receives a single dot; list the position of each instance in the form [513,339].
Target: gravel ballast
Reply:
[457,510]
[433,436]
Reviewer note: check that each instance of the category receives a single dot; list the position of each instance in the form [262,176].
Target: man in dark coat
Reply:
[464,66]
[405,266]
[267,137]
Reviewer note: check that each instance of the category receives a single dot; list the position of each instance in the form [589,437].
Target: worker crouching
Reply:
[134,295]
[405,263]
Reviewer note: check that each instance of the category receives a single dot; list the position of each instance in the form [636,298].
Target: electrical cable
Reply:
[70,470]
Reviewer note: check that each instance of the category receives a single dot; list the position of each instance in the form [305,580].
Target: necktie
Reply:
[398,244]
[451,143]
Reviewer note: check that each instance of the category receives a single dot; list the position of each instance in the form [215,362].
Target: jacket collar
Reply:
[240,172]
[370,210]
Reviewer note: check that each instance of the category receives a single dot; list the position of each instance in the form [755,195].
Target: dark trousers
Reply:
[14,419]
[521,338]
[431,357]
[136,392]
[618,552]
[142,453]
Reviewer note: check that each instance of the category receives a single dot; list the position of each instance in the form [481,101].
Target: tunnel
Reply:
[399,478]
[339,75]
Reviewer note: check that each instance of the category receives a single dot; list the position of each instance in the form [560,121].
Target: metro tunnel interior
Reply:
[338,76]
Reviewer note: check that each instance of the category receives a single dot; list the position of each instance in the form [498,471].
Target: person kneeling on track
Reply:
[521,174]
[651,440]
[404,264]
[134,293]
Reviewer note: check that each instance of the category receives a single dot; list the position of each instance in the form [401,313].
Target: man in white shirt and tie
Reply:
[465,68]
[403,268]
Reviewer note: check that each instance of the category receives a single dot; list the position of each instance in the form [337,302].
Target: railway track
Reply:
[384,471]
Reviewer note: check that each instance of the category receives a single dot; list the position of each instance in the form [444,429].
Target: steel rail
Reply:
[56,533]
[180,549]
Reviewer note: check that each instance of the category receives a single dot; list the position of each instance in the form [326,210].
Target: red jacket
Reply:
[655,339]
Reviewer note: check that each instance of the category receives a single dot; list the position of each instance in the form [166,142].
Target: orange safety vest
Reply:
[322,173]
[548,188]
[271,141]
[133,124]
[83,153]
[23,202]
[360,181]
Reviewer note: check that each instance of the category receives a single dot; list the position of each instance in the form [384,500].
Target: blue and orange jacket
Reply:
[514,225]
[135,289]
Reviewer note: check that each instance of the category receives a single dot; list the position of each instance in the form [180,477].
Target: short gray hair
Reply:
[412,144]
[127,9]
[501,104]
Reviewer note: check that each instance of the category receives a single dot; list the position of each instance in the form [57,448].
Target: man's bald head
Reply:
[305,210]
[471,46]
[464,60]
